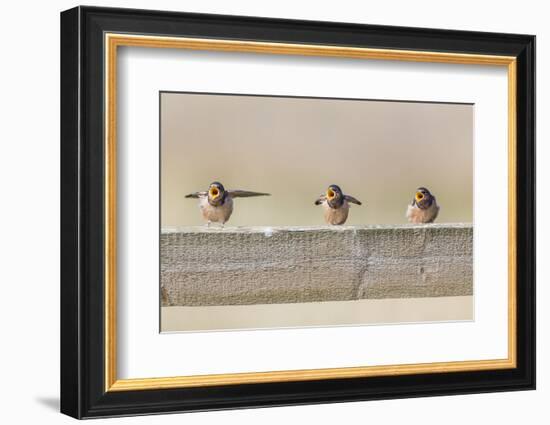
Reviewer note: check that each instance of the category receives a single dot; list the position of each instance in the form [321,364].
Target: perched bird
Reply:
[335,204]
[217,203]
[424,208]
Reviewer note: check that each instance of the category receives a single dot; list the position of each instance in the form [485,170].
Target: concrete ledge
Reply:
[263,265]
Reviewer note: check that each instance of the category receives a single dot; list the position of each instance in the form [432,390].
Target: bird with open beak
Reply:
[424,208]
[335,204]
[216,204]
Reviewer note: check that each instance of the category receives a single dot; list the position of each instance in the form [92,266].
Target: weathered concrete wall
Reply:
[236,266]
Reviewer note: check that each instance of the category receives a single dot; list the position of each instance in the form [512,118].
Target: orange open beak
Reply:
[214,192]
[330,194]
[419,196]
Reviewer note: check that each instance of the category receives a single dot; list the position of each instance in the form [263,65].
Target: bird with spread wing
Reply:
[216,204]
[335,204]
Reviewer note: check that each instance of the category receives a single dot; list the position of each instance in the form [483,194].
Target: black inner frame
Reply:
[82,212]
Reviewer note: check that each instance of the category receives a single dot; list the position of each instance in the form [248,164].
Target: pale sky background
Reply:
[293,148]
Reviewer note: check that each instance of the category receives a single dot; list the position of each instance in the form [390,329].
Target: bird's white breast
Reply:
[216,214]
[336,215]
[418,215]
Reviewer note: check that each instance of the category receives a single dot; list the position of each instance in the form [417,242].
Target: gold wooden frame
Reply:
[113,41]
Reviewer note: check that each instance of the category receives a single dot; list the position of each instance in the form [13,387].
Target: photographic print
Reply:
[302,195]
[284,211]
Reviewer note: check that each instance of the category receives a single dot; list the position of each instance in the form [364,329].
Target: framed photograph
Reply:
[261,212]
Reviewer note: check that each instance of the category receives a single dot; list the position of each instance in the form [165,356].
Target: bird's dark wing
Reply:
[197,195]
[320,199]
[245,193]
[352,199]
